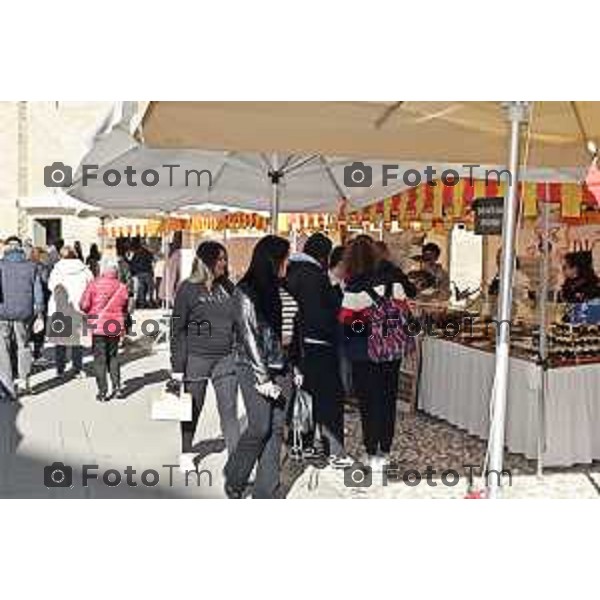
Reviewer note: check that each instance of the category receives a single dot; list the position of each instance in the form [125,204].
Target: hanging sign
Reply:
[489,213]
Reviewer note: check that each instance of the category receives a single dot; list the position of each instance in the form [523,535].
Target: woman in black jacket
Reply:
[263,314]
[202,345]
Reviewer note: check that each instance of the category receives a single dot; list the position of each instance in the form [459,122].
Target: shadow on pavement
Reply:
[205,448]
[25,476]
[135,384]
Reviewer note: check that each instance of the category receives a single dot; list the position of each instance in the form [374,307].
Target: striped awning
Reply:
[442,205]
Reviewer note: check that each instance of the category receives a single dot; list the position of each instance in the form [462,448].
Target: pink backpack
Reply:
[389,339]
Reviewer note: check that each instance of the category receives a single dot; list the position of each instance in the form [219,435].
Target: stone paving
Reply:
[63,422]
[66,424]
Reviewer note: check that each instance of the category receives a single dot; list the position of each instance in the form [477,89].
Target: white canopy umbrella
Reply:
[269,181]
[300,183]
[472,132]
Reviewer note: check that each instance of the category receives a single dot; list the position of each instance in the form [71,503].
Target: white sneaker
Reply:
[22,387]
[187,462]
[376,463]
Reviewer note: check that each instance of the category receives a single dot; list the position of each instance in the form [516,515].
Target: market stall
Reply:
[456,372]
[453,376]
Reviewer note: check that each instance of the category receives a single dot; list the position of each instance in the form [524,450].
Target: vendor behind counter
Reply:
[581,284]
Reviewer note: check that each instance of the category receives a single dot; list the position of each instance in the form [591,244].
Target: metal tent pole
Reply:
[275,176]
[517,112]
[544,275]
[103,234]
[165,252]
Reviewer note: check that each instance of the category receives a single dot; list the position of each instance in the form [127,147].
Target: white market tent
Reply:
[438,132]
[307,181]
[539,135]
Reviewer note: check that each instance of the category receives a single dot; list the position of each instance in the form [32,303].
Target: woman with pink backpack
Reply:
[105,304]
[373,313]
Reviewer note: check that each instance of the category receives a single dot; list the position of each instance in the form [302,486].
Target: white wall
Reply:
[8,168]
[60,132]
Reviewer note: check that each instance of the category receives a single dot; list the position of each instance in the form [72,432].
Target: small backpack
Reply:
[389,339]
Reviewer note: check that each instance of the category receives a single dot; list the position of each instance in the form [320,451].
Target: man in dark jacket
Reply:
[21,302]
[141,266]
[308,281]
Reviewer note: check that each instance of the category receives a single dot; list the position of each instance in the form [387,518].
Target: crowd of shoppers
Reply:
[56,297]
[282,327]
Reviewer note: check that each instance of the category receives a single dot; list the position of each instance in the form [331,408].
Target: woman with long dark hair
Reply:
[264,316]
[581,282]
[202,345]
[375,383]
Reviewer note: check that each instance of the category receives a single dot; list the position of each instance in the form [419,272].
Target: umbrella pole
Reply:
[165,252]
[102,234]
[545,274]
[517,115]
[275,176]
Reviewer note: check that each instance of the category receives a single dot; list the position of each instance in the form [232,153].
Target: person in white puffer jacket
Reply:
[67,282]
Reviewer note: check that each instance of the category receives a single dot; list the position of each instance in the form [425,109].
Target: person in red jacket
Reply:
[105,304]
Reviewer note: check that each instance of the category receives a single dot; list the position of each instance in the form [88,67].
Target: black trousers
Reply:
[221,372]
[376,386]
[321,369]
[76,358]
[261,441]
[106,361]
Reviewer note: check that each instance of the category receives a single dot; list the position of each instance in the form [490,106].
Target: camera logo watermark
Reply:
[359,174]
[59,475]
[61,326]
[60,175]
[427,326]
[359,475]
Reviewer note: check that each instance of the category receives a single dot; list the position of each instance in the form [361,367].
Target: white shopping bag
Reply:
[172,407]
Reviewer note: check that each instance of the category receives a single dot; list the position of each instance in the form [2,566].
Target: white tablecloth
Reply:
[456,383]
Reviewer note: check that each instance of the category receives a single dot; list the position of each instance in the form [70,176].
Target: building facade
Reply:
[34,135]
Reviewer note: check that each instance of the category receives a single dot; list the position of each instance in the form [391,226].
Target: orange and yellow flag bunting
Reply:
[434,206]
[441,205]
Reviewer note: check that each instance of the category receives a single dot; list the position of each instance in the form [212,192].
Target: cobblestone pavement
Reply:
[422,441]
[63,422]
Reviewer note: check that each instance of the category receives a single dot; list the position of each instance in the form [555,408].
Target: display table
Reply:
[456,383]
